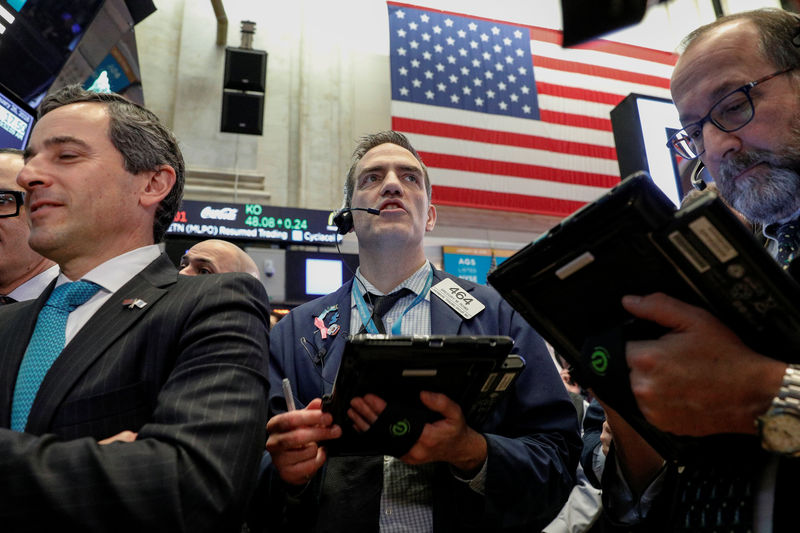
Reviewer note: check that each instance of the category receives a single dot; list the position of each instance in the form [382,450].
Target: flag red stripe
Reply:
[498,201]
[518,170]
[632,51]
[438,129]
[570,119]
[621,49]
[546,35]
[603,72]
[574,93]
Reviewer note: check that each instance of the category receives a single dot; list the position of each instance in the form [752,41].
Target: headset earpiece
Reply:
[697,181]
[343,221]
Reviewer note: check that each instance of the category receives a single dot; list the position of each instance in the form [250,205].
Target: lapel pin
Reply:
[328,310]
[323,331]
[131,303]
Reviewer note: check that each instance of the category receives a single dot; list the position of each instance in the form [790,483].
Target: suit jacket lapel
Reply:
[18,328]
[111,321]
[335,345]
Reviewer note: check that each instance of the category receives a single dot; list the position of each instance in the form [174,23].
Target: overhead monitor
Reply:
[642,125]
[16,120]
[313,274]
[36,38]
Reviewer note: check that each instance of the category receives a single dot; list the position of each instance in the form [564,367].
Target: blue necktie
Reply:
[788,242]
[45,345]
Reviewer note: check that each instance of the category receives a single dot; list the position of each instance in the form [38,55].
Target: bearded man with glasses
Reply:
[737,90]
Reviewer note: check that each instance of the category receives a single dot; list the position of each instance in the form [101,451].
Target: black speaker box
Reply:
[140,9]
[245,70]
[242,112]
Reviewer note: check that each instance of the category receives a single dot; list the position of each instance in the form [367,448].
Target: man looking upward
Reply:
[513,472]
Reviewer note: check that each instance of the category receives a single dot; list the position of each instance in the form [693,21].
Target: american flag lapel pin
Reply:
[132,303]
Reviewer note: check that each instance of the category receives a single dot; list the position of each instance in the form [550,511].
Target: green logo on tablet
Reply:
[400,428]
[600,358]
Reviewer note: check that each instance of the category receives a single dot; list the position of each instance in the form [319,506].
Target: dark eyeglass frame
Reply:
[682,137]
[19,197]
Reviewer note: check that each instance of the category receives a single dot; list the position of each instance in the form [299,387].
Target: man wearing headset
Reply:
[514,471]
[737,90]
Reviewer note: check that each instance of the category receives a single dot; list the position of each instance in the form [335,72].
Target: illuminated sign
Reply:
[472,264]
[16,120]
[222,220]
[6,18]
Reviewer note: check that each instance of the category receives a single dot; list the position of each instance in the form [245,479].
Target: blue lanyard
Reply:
[366,316]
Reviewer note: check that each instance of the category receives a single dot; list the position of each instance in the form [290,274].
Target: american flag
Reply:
[504,117]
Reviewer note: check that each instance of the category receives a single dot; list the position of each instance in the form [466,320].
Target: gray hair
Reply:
[778,30]
[367,143]
[139,136]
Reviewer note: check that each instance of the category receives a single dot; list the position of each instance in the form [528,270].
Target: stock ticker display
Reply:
[223,220]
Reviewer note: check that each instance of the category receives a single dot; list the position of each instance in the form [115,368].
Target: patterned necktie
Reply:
[45,345]
[788,239]
[381,305]
[6,300]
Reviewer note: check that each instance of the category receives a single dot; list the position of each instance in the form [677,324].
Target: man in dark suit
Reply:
[512,473]
[168,371]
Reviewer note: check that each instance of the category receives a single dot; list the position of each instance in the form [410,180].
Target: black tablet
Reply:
[569,284]
[474,371]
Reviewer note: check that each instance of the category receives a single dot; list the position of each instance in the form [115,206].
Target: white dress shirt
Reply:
[35,286]
[111,276]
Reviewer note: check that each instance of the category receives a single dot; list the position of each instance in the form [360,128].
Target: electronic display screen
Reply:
[16,4]
[657,118]
[323,276]
[313,274]
[16,121]
[472,264]
[228,220]
[642,125]
[37,38]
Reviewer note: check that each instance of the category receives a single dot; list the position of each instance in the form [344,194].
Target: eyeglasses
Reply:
[731,112]
[10,202]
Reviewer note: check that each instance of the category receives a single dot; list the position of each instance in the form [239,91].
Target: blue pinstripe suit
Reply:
[533,439]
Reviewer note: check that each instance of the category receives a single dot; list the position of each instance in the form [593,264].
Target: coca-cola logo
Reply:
[225,213]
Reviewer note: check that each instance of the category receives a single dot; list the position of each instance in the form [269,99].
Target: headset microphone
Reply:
[697,181]
[344,218]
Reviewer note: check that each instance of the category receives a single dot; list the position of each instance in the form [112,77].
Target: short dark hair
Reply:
[778,32]
[367,143]
[13,151]
[139,136]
